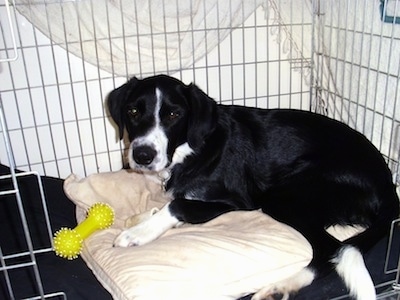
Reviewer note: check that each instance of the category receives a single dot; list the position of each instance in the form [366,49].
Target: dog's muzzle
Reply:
[144,155]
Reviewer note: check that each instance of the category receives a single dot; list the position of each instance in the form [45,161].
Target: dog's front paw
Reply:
[148,230]
[135,236]
[126,239]
[270,295]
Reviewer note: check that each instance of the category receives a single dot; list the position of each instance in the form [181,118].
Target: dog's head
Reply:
[165,119]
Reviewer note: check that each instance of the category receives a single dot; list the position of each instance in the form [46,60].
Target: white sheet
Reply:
[137,37]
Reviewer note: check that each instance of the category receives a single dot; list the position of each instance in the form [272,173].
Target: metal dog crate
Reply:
[59,59]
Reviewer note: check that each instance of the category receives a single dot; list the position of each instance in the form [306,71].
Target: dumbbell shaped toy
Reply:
[68,242]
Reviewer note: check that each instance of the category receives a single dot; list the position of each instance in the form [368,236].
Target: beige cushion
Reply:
[233,255]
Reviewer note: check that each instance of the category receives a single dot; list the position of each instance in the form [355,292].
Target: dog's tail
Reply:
[349,262]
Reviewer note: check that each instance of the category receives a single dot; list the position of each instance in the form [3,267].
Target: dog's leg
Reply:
[148,230]
[287,286]
[172,214]
[198,211]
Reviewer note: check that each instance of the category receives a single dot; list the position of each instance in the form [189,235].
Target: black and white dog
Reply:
[303,169]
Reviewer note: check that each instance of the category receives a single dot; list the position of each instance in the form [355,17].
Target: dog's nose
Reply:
[144,155]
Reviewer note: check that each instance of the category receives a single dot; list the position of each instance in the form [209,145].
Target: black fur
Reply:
[301,168]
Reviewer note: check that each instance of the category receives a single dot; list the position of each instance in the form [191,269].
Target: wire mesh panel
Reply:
[356,78]
[357,70]
[72,53]
[60,59]
[10,196]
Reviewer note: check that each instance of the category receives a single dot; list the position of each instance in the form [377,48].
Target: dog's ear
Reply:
[116,101]
[202,118]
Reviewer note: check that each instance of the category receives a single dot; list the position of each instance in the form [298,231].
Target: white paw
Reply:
[269,293]
[286,286]
[147,231]
[135,236]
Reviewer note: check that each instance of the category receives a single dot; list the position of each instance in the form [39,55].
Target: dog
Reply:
[301,168]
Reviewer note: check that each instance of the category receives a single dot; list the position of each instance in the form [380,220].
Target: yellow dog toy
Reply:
[68,242]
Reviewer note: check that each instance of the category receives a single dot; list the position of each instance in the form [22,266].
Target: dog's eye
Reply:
[173,115]
[134,113]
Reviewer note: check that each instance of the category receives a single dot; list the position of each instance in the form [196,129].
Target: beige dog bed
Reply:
[233,255]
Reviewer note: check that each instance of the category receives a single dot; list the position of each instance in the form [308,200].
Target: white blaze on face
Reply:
[154,138]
